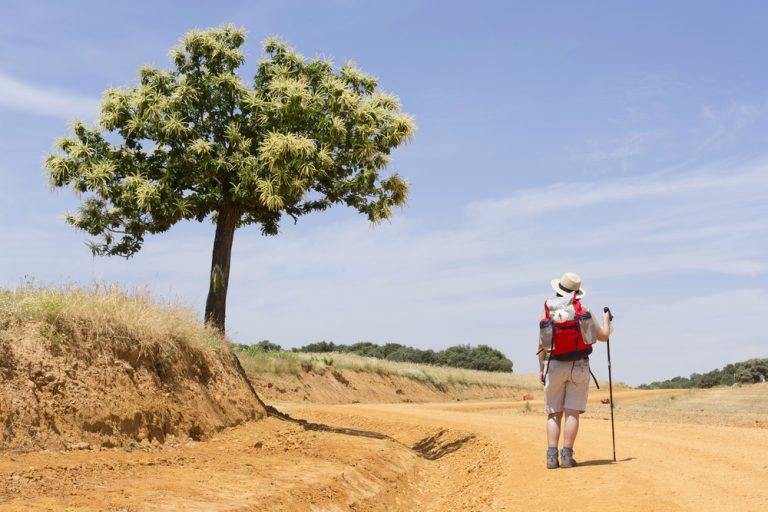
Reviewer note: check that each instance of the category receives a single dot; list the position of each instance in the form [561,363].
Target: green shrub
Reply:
[482,357]
[744,372]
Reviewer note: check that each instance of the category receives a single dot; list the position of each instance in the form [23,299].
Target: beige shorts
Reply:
[566,386]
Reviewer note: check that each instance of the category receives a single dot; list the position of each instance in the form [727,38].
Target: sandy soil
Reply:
[432,457]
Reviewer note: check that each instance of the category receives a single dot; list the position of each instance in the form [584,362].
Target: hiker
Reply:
[567,331]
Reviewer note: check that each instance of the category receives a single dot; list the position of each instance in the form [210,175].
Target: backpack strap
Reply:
[546,372]
[578,312]
[549,354]
[594,378]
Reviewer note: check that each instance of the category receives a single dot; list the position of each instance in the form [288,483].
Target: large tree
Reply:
[199,142]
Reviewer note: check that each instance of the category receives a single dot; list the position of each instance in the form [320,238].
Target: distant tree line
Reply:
[745,372]
[481,357]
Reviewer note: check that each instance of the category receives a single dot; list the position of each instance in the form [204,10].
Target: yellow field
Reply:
[729,405]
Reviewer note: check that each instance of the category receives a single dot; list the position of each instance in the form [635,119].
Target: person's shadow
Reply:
[603,462]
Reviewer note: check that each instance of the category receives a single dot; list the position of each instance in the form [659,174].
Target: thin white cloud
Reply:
[723,125]
[624,147]
[568,196]
[44,101]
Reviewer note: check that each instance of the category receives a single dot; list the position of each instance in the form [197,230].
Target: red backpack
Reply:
[566,327]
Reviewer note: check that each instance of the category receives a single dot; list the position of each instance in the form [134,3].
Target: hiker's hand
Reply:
[541,376]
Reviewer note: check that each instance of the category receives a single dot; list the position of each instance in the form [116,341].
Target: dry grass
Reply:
[257,361]
[747,398]
[294,362]
[105,313]
[745,405]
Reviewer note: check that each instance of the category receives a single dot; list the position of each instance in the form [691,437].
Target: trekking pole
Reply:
[610,383]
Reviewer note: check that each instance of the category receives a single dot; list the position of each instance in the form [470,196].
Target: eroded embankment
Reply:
[54,395]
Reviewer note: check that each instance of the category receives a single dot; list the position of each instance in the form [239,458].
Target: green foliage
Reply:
[261,346]
[745,372]
[367,349]
[321,346]
[196,140]
[264,346]
[481,357]
[744,376]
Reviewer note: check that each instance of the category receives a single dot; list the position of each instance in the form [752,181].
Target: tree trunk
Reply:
[216,305]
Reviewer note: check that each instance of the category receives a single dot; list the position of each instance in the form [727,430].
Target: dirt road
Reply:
[432,457]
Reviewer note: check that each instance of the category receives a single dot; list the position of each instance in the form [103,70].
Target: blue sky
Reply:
[625,141]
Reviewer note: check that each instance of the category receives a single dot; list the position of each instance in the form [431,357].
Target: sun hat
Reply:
[567,284]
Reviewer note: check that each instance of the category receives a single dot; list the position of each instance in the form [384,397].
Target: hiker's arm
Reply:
[603,331]
[541,354]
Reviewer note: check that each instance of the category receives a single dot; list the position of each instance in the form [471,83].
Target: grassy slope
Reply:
[296,362]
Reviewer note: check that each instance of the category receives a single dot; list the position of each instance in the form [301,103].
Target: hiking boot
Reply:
[552,462]
[567,460]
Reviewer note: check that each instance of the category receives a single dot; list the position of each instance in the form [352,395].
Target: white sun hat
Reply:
[568,284]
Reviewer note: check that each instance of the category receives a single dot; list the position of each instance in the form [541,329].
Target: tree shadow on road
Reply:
[320,427]
[431,447]
[436,446]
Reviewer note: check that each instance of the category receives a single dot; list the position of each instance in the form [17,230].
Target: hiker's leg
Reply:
[571,427]
[554,395]
[577,390]
[553,429]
